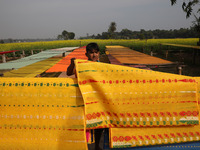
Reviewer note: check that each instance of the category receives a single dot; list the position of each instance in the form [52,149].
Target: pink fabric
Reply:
[88,135]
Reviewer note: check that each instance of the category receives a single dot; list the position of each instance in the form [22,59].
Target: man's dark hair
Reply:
[92,46]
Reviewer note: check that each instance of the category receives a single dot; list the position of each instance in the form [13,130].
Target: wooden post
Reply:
[63,54]
[151,52]
[166,54]
[180,70]
[194,56]
[31,52]
[142,49]
[160,48]
[146,44]
[14,55]
[4,58]
[23,53]
[180,59]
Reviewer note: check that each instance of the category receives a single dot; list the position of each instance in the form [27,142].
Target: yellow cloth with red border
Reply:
[41,113]
[140,107]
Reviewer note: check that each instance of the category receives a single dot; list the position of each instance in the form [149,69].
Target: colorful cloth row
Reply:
[127,56]
[34,69]
[19,63]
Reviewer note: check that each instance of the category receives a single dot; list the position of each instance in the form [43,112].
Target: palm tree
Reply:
[112,29]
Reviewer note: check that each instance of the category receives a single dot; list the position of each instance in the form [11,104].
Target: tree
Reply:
[188,9]
[59,37]
[1,41]
[105,35]
[10,40]
[65,34]
[126,34]
[141,36]
[112,28]
[71,35]
[188,6]
[196,25]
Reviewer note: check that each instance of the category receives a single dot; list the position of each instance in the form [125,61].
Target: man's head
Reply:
[92,52]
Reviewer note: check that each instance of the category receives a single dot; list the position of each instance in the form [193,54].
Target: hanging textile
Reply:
[140,108]
[119,96]
[41,113]
[125,99]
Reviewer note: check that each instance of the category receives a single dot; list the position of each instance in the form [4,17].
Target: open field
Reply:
[133,44]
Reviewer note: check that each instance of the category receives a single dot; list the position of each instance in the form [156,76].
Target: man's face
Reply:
[93,55]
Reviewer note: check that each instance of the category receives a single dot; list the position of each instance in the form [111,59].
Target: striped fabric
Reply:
[19,63]
[127,56]
[33,69]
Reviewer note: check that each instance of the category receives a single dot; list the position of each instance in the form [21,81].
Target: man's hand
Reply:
[71,67]
[72,61]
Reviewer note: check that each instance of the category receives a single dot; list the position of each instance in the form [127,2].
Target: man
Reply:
[92,53]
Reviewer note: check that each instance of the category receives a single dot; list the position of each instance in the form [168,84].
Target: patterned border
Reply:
[127,141]
[30,127]
[137,81]
[22,84]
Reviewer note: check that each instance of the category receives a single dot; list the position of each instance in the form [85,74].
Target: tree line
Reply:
[146,34]
[65,35]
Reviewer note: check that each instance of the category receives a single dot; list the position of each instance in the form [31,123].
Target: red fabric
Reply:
[1,53]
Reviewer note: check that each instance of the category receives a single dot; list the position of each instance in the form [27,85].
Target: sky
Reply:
[20,19]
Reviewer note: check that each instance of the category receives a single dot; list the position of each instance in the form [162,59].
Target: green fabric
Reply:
[34,58]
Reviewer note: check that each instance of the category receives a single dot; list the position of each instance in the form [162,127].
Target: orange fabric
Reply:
[62,65]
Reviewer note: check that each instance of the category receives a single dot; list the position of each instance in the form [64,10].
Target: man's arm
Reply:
[71,67]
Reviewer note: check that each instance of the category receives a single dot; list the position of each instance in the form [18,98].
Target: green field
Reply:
[140,45]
